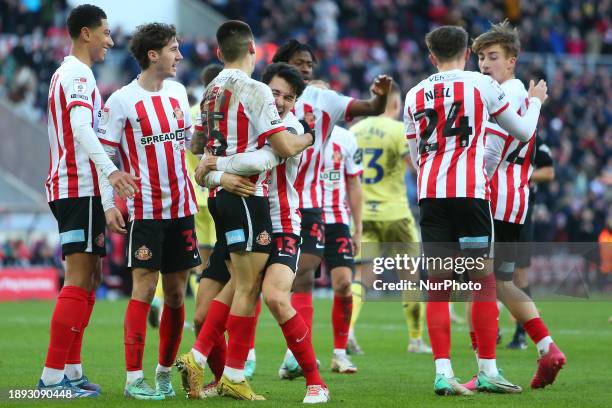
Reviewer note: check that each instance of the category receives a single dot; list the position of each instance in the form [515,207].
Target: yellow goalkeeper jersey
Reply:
[191,160]
[383,146]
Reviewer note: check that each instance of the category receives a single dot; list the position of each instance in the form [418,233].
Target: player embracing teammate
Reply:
[445,121]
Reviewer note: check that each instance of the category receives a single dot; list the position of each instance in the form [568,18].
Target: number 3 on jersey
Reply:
[371,158]
[463,128]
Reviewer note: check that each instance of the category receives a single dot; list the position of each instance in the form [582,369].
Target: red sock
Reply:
[74,354]
[217,356]
[536,329]
[474,342]
[302,303]
[240,332]
[170,334]
[66,324]
[134,333]
[484,316]
[257,311]
[341,319]
[438,320]
[213,327]
[298,340]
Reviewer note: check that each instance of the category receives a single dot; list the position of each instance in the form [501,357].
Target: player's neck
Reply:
[79,51]
[149,81]
[242,65]
[451,66]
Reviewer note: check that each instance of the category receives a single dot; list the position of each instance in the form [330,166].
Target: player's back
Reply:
[71,173]
[509,162]
[383,146]
[448,114]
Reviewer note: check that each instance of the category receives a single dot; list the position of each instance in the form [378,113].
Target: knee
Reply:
[342,287]
[304,282]
[277,302]
[174,298]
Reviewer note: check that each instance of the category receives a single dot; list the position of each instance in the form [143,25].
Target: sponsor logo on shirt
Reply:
[177,135]
[79,85]
[105,116]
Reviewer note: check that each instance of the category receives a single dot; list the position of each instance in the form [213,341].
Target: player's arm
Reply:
[232,183]
[544,171]
[410,132]
[376,104]
[523,127]
[285,144]
[244,164]
[354,195]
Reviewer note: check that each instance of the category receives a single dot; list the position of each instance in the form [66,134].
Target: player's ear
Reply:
[153,56]
[252,47]
[433,60]
[219,55]
[468,51]
[86,34]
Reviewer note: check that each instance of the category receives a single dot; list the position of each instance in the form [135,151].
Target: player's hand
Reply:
[308,129]
[540,90]
[204,167]
[238,185]
[381,85]
[356,242]
[114,221]
[124,183]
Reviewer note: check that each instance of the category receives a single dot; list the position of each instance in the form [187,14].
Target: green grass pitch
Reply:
[387,377]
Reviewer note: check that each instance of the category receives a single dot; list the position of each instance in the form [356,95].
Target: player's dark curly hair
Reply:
[85,15]
[288,49]
[147,37]
[288,72]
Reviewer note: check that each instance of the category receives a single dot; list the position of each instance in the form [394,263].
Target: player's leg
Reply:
[81,225]
[476,239]
[339,260]
[156,305]
[275,289]
[246,223]
[144,257]
[437,236]
[524,309]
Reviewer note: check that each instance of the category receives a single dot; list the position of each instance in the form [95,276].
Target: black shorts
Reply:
[313,231]
[523,260]
[449,225]
[243,224]
[81,224]
[286,250]
[506,236]
[338,246]
[163,245]
[216,268]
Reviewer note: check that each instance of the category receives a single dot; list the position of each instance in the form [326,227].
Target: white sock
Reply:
[443,366]
[251,356]
[52,376]
[340,352]
[199,358]
[235,375]
[73,371]
[488,366]
[162,369]
[132,376]
[351,334]
[543,345]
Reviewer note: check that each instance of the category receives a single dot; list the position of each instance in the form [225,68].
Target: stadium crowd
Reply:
[351,50]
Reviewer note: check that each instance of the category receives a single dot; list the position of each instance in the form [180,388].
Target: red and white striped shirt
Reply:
[508,162]
[283,197]
[238,115]
[339,161]
[71,173]
[446,116]
[322,109]
[150,128]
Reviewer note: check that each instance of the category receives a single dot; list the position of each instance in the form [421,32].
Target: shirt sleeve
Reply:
[78,87]
[337,105]
[409,126]
[112,122]
[494,96]
[264,115]
[543,155]
[353,165]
